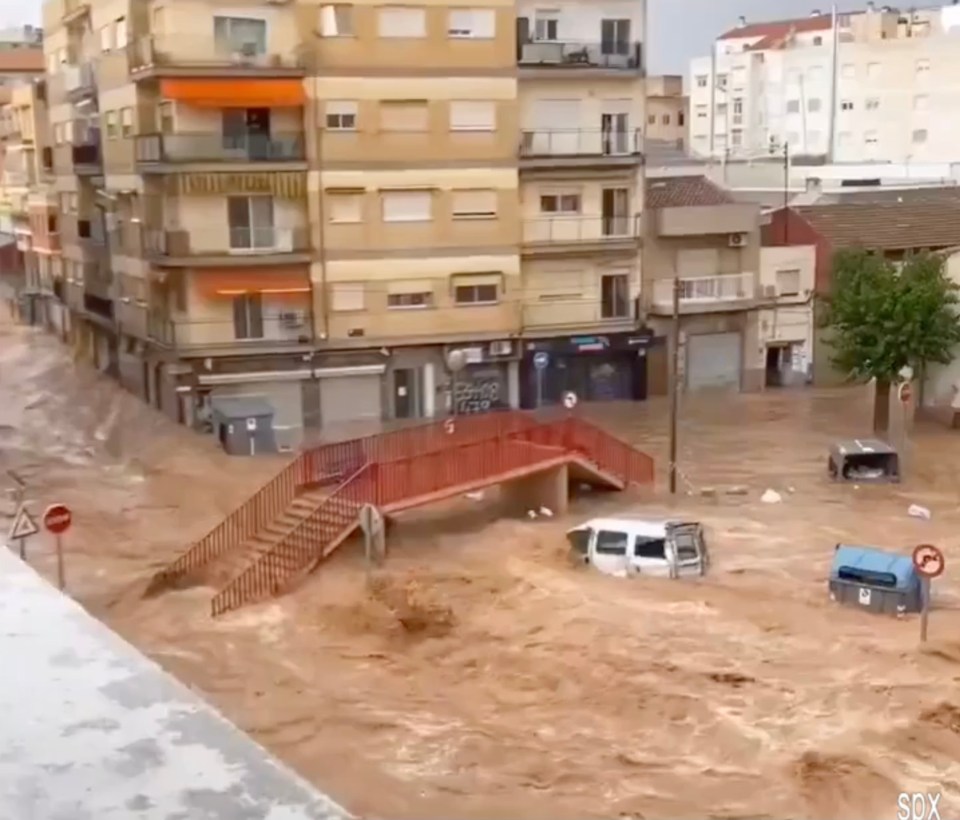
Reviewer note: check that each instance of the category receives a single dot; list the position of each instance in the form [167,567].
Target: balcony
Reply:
[197,56]
[569,58]
[706,294]
[265,333]
[247,247]
[570,148]
[79,81]
[98,279]
[579,234]
[153,151]
[86,158]
[74,11]
[131,317]
[569,315]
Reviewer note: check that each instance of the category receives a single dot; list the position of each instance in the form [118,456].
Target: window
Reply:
[110,124]
[848,71]
[721,81]
[473,115]
[665,119]
[345,207]
[701,81]
[336,21]
[846,105]
[126,122]
[921,102]
[250,219]
[106,38]
[701,112]
[407,206]
[58,133]
[474,204]
[243,35]
[545,26]
[721,109]
[472,24]
[919,135]
[818,40]
[404,115]
[873,70]
[738,77]
[346,296]
[407,301]
[120,32]
[476,294]
[793,106]
[560,204]
[736,137]
[923,67]
[615,296]
[611,543]
[248,316]
[165,116]
[870,138]
[788,282]
[400,21]
[341,115]
[813,105]
[872,104]
[681,118]
[646,547]
[651,119]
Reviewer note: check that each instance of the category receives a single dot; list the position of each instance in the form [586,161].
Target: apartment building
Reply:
[667,111]
[311,207]
[582,115]
[873,85]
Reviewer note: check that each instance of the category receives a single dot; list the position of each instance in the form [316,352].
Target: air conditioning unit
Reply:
[503,347]
[769,291]
[737,240]
[291,319]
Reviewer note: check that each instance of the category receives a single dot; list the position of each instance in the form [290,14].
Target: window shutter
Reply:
[474,203]
[473,115]
[404,116]
[407,206]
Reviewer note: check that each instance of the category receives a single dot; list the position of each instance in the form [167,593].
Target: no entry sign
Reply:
[57,519]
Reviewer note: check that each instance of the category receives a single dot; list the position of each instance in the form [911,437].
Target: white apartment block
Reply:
[878,85]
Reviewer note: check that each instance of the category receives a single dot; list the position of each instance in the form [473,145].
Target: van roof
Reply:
[651,527]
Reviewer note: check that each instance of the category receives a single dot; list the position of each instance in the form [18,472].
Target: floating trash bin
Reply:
[864,460]
[873,579]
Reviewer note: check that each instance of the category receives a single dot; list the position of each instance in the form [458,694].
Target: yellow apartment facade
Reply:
[306,207]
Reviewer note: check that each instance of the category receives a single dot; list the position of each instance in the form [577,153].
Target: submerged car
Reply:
[625,546]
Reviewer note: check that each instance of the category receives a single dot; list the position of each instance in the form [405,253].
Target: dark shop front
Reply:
[612,367]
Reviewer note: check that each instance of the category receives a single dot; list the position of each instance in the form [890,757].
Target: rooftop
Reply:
[779,29]
[95,730]
[685,191]
[21,60]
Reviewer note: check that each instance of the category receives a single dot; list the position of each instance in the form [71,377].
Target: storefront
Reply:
[597,368]
[488,380]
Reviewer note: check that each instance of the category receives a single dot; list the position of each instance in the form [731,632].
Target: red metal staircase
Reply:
[396,471]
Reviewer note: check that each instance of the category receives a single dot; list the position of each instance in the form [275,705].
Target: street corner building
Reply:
[299,211]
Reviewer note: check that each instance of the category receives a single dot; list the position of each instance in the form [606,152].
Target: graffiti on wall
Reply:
[478,393]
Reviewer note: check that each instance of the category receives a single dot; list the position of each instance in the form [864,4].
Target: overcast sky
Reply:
[679,29]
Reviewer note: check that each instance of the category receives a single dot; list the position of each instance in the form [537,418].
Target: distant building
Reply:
[21,36]
[873,85]
[666,110]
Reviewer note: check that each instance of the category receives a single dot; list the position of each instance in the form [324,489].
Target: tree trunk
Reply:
[881,407]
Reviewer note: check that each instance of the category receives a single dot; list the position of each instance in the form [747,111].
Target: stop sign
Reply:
[57,518]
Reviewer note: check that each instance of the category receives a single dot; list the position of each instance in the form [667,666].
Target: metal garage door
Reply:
[349,398]
[713,360]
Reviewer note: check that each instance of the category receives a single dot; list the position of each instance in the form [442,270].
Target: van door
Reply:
[689,548]
[610,552]
[650,556]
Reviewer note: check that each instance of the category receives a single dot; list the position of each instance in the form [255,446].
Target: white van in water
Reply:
[635,546]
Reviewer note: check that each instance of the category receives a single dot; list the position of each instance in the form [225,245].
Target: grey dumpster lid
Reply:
[241,408]
[862,445]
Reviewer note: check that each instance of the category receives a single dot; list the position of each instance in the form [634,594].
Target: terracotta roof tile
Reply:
[25,60]
[685,191]
[780,28]
[921,223]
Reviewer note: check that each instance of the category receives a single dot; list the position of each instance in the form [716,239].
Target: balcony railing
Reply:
[261,240]
[79,80]
[580,142]
[206,51]
[174,148]
[242,241]
[291,327]
[706,290]
[617,55]
[567,229]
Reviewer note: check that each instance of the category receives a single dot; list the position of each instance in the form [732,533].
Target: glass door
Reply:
[251,223]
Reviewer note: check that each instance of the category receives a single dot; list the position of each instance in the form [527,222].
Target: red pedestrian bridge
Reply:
[312,506]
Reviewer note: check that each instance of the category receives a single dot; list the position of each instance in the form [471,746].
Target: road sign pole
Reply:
[22,548]
[929,563]
[925,608]
[539,388]
[57,520]
[61,579]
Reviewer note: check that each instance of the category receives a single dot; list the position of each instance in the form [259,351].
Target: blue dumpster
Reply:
[873,579]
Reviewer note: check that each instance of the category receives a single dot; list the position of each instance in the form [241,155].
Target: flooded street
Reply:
[480,676]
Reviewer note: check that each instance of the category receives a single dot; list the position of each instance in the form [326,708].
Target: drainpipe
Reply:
[321,214]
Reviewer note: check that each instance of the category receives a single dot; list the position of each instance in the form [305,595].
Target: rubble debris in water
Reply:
[771,497]
[916,511]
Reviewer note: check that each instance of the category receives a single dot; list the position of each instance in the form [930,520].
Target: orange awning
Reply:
[268,281]
[263,93]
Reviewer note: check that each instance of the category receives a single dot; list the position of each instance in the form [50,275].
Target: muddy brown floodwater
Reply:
[481,676]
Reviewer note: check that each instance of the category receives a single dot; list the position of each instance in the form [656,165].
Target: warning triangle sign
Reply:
[23,525]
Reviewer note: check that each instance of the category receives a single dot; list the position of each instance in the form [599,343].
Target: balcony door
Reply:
[248,316]
[240,36]
[615,37]
[247,131]
[615,204]
[251,222]
[613,131]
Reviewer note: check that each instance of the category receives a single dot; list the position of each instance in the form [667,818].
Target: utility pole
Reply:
[786,192]
[674,381]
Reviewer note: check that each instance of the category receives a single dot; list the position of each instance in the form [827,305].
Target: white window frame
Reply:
[702,80]
[472,212]
[341,115]
[546,26]
[426,303]
[573,199]
[339,198]
[472,23]
[120,34]
[467,284]
[106,38]
[473,115]
[871,103]
[419,206]
[402,22]
[336,20]
[783,274]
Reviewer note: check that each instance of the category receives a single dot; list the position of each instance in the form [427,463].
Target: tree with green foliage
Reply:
[885,317]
